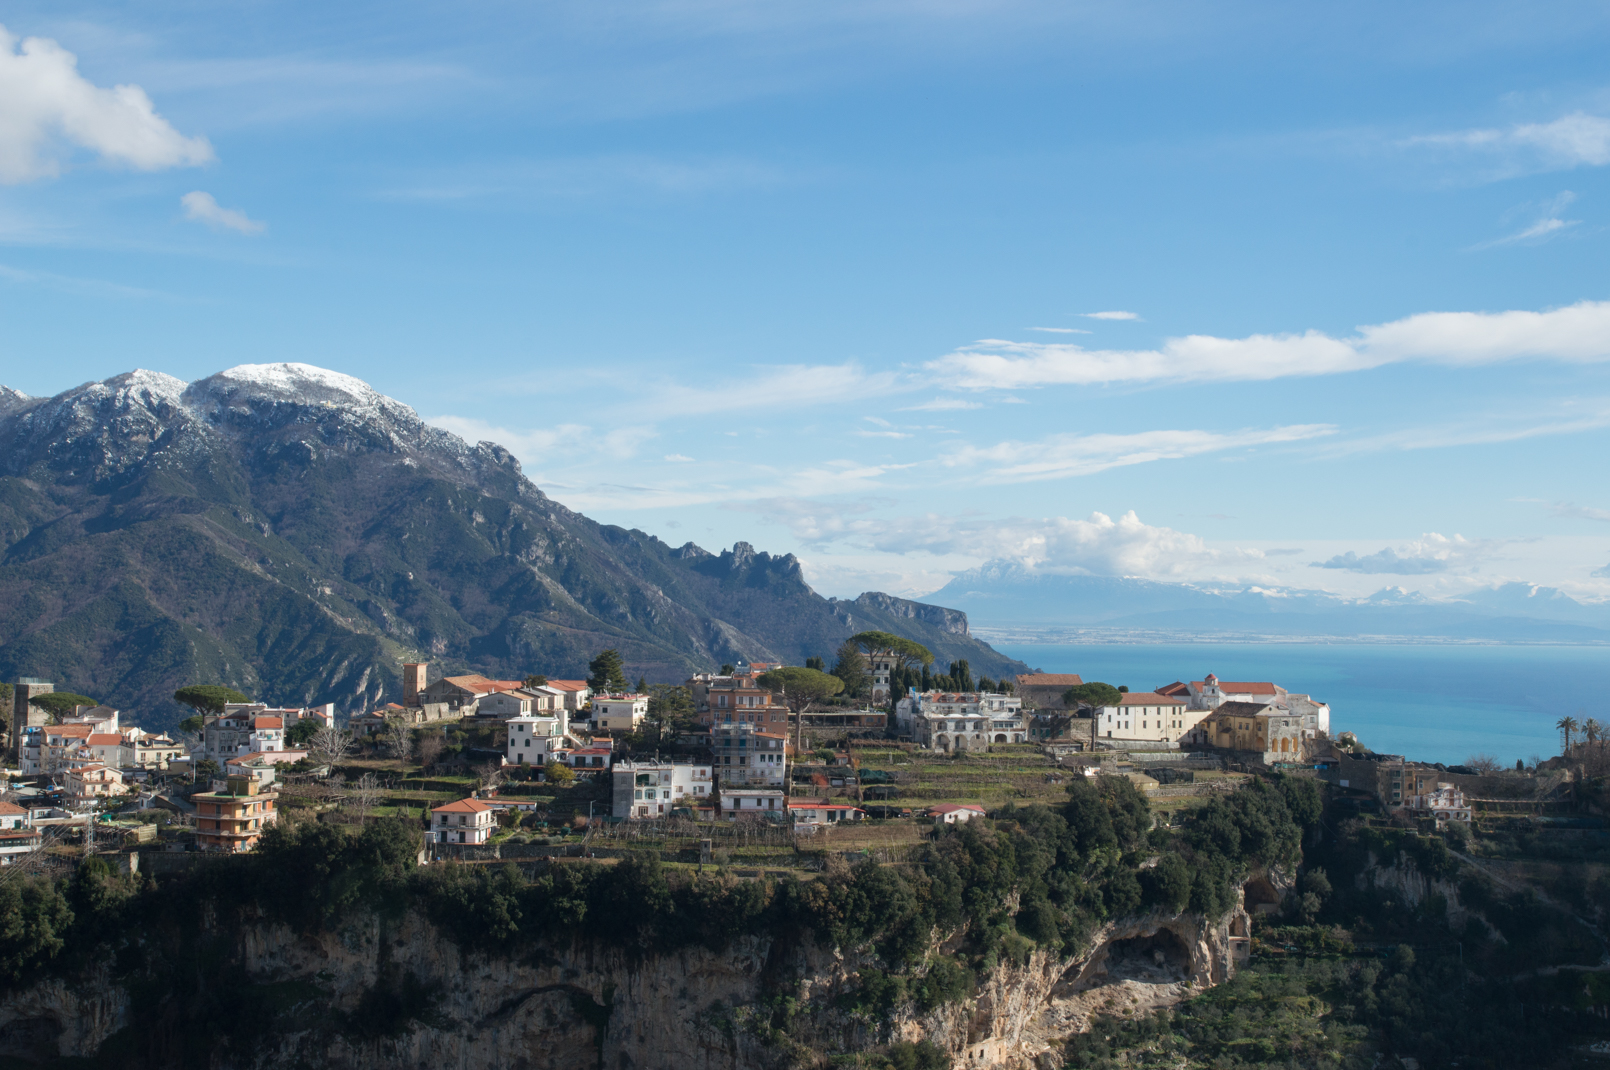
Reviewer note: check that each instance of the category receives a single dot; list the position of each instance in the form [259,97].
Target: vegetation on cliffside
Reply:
[977,896]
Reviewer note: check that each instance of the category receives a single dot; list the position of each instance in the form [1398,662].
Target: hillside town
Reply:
[489,764]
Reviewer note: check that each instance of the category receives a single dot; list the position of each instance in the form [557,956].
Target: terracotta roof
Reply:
[104,739]
[480,685]
[11,808]
[1231,687]
[950,808]
[567,685]
[21,834]
[1149,698]
[77,731]
[1049,679]
[259,724]
[463,806]
[1174,689]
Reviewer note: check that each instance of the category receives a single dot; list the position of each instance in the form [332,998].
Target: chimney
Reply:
[413,681]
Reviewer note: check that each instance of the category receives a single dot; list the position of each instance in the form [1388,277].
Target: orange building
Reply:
[234,819]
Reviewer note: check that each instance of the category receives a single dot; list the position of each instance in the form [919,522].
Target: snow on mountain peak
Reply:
[294,382]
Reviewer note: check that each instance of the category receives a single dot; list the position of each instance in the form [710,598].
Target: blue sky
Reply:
[899,286]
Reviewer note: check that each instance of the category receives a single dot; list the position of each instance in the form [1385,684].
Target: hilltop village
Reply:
[490,765]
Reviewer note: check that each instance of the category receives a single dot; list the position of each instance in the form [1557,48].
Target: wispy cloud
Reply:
[1580,512]
[1545,226]
[679,458]
[203,208]
[1111,315]
[46,106]
[1066,455]
[1574,140]
[944,405]
[590,178]
[1058,330]
[1576,333]
[89,287]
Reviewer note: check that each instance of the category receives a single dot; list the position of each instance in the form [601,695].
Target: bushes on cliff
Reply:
[34,923]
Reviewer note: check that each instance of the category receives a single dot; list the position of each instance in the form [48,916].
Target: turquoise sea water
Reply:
[1431,703]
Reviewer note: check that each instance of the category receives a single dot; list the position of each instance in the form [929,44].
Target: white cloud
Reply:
[45,102]
[1111,315]
[1099,545]
[204,209]
[1577,333]
[1570,141]
[882,434]
[678,457]
[1430,553]
[1064,455]
[1058,330]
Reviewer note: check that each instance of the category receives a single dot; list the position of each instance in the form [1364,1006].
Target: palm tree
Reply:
[1592,730]
[1566,725]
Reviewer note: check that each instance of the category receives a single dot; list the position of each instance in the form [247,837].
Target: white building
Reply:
[880,666]
[1147,716]
[596,759]
[17,834]
[619,713]
[465,821]
[642,790]
[949,721]
[749,758]
[532,738]
[752,802]
[1445,803]
[954,813]
[817,812]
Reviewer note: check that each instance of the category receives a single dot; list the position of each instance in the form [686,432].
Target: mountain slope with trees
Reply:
[291,533]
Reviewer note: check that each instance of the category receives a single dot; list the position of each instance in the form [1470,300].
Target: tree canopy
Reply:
[607,672]
[208,698]
[60,703]
[907,651]
[1095,693]
[302,732]
[801,686]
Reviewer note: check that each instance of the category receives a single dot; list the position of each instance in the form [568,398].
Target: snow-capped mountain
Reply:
[294,533]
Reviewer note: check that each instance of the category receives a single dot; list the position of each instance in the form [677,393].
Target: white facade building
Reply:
[465,821]
[532,739]
[950,721]
[1146,716]
[742,802]
[643,790]
[619,713]
[1445,803]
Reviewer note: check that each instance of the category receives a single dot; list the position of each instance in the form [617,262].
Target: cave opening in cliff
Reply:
[1261,896]
[1160,959]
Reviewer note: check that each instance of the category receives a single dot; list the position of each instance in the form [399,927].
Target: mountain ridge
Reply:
[1000,594]
[292,532]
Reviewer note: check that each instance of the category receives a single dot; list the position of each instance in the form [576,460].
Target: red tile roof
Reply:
[1230,687]
[261,724]
[567,685]
[1176,688]
[1049,679]
[480,685]
[104,739]
[463,806]
[11,808]
[1149,698]
[77,731]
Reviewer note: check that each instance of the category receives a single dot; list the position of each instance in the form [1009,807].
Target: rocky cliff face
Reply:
[291,532]
[587,1009]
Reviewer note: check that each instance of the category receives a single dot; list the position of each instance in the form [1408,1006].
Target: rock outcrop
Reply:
[759,1003]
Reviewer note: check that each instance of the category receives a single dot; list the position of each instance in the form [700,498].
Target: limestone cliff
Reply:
[760,1002]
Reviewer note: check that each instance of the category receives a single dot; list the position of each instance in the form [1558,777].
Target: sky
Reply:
[1231,293]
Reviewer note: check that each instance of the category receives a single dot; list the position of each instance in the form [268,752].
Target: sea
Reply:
[1429,702]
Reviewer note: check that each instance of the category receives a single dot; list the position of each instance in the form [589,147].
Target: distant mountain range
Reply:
[1009,596]
[290,532]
